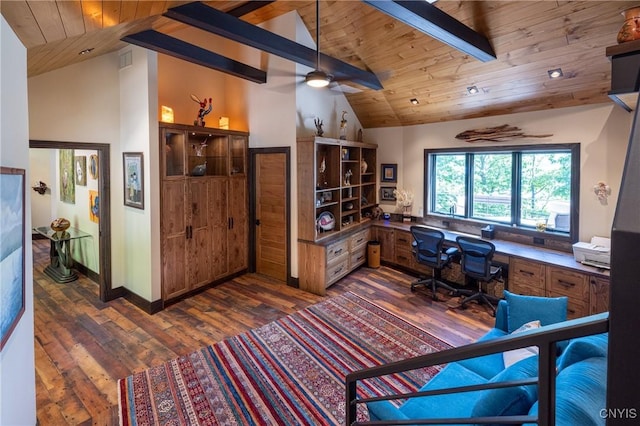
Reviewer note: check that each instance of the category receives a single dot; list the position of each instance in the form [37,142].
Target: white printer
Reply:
[596,253]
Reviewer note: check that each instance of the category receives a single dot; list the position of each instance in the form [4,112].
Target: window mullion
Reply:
[469,186]
[516,181]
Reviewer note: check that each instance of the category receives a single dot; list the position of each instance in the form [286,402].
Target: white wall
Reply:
[602,130]
[17,365]
[43,168]
[81,103]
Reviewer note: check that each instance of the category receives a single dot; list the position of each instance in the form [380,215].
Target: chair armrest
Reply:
[452,251]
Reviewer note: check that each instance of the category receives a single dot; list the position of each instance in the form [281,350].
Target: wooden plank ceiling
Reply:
[529,38]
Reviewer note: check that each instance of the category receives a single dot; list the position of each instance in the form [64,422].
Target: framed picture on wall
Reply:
[12,255]
[386,193]
[133,179]
[67,176]
[81,170]
[93,166]
[389,172]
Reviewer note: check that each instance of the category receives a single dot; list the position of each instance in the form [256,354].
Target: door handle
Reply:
[257,222]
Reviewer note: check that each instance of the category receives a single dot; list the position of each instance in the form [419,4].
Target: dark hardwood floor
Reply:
[83,346]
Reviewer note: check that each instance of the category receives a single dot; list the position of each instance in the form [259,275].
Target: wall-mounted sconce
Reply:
[40,188]
[602,191]
[166,114]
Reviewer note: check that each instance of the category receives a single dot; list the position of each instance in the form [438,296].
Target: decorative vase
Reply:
[631,28]
[363,166]
[406,213]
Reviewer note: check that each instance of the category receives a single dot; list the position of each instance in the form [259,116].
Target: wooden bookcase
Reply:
[336,178]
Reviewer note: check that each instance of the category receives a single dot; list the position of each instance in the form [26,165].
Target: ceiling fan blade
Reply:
[344,88]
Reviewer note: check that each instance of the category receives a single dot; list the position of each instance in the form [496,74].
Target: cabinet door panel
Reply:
[174,272]
[220,222]
[173,208]
[199,242]
[387,244]
[238,247]
[599,297]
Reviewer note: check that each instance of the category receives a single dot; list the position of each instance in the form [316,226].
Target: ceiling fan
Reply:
[317,77]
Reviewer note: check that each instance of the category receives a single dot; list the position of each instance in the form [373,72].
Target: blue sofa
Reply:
[580,380]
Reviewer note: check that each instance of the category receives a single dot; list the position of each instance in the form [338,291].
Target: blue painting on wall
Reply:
[12,251]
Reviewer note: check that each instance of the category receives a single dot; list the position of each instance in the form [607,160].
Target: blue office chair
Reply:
[428,250]
[476,256]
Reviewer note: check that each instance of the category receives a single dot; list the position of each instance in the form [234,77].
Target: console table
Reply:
[60,268]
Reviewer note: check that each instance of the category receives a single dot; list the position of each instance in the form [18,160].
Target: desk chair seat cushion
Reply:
[524,309]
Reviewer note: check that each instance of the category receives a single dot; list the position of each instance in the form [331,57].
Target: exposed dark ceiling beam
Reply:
[248,7]
[163,43]
[430,20]
[214,21]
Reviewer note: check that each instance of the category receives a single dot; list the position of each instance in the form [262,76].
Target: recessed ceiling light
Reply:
[414,101]
[472,90]
[85,51]
[555,73]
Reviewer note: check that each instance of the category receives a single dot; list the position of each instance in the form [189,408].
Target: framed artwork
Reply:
[133,167]
[93,166]
[67,177]
[389,172]
[94,206]
[81,170]
[12,251]
[386,193]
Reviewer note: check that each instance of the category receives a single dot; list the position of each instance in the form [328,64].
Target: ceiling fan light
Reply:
[317,78]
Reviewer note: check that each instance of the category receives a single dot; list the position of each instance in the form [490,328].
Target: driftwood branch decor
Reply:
[496,134]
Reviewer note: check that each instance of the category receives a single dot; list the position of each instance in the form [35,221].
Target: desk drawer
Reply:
[337,249]
[358,240]
[403,239]
[339,270]
[568,283]
[527,273]
[404,256]
[357,258]
[522,288]
[576,308]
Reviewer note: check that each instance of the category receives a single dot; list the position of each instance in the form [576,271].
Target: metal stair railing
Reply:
[545,338]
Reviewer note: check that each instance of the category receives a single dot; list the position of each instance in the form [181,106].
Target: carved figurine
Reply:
[347,177]
[343,126]
[204,110]
[318,123]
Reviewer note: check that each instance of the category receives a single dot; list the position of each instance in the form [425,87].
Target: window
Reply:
[527,186]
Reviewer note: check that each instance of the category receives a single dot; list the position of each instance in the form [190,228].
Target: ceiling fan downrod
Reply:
[317,78]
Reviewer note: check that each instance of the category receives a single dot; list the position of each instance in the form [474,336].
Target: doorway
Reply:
[104,209]
[270,212]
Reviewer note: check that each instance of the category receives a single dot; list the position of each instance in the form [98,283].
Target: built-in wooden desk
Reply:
[531,270]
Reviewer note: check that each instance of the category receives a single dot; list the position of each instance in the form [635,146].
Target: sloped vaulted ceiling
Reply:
[529,38]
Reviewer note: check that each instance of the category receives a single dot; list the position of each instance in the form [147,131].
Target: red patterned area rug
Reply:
[288,372]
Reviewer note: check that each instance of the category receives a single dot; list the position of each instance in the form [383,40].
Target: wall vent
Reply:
[126,59]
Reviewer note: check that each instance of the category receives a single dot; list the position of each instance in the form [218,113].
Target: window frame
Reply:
[516,150]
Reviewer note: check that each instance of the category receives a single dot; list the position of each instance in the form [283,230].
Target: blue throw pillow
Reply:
[524,309]
[582,348]
[509,401]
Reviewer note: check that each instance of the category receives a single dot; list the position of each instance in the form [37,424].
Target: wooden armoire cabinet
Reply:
[203,206]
